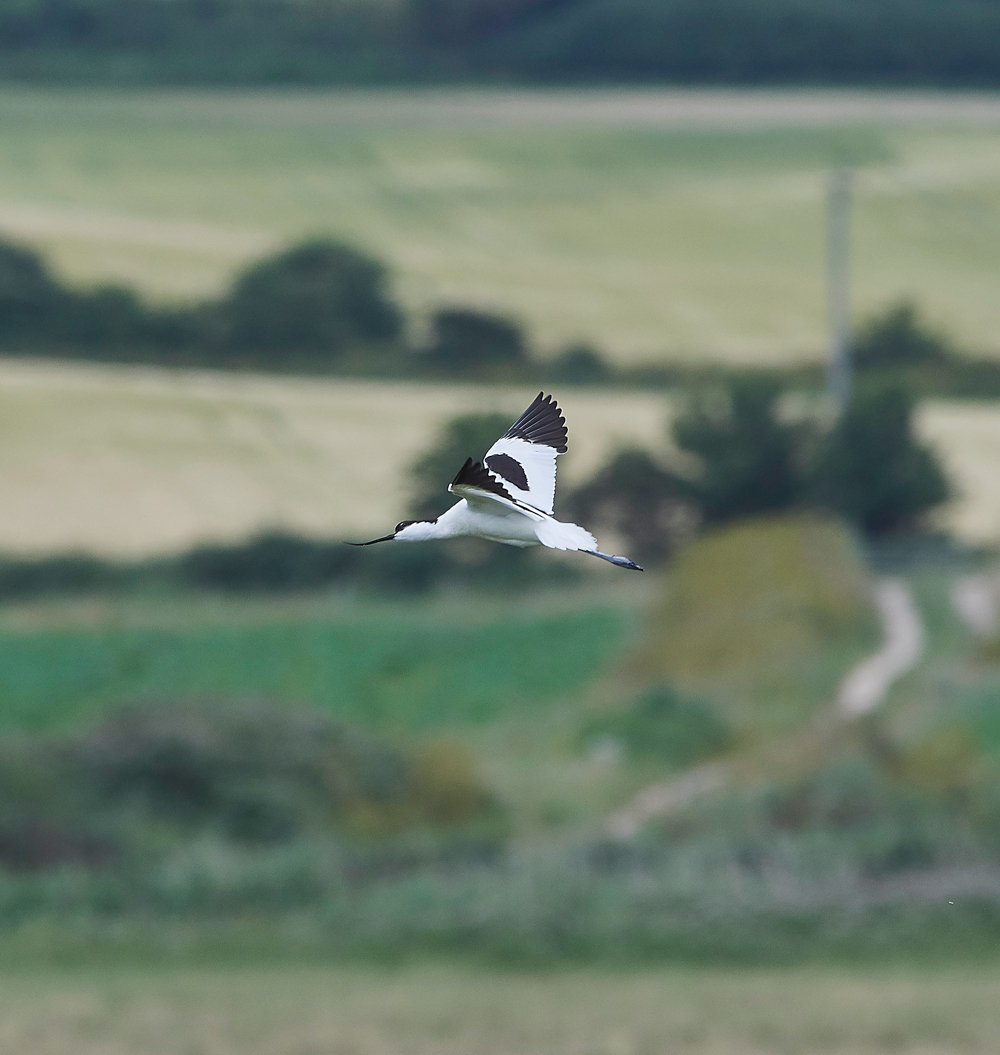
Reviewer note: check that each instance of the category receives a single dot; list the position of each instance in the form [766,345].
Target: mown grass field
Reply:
[687,225]
[128,461]
[132,461]
[430,1010]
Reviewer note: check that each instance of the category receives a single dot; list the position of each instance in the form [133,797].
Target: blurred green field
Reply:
[675,236]
[509,678]
[431,1010]
[406,667]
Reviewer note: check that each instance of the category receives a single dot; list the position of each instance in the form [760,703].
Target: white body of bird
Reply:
[508,497]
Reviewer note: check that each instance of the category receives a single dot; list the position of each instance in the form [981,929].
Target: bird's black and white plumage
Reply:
[508,496]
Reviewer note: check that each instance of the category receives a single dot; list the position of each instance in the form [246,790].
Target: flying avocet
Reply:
[508,496]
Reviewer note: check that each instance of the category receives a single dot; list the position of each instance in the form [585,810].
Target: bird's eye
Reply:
[404,523]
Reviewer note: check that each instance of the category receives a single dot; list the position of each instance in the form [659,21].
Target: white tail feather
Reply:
[557,535]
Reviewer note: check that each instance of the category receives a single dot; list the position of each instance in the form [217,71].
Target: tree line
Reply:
[322,306]
[359,41]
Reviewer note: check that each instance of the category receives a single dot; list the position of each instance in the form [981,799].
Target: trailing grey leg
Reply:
[622,562]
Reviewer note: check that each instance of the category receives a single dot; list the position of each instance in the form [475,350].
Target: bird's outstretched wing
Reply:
[523,461]
[479,487]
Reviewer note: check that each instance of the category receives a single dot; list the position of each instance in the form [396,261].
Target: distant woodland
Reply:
[885,42]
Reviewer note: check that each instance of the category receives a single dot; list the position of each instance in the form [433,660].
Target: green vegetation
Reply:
[407,670]
[367,810]
[892,492]
[735,41]
[662,725]
[897,338]
[319,297]
[748,461]
[736,456]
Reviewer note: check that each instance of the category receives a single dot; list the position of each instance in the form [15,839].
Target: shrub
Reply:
[33,306]
[64,574]
[898,337]
[317,297]
[149,777]
[274,560]
[464,341]
[748,459]
[871,469]
[580,365]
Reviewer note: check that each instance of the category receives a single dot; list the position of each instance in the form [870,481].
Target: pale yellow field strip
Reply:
[429,1009]
[967,437]
[616,107]
[133,461]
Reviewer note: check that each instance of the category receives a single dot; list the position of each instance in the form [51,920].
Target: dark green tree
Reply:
[580,365]
[33,305]
[747,460]
[319,297]
[467,341]
[897,337]
[871,469]
[644,503]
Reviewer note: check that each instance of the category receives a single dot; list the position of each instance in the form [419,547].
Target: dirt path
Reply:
[863,688]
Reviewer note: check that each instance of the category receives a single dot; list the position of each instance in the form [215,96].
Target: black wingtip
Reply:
[542,423]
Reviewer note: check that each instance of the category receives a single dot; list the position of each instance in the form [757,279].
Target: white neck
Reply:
[423,530]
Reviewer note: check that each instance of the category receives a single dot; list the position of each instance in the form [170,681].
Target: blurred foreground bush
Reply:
[841,863]
[763,615]
[148,780]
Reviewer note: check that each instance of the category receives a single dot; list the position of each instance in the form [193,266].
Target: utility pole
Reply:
[838,285]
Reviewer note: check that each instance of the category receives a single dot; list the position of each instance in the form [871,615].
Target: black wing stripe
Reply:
[509,468]
[541,423]
[474,474]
